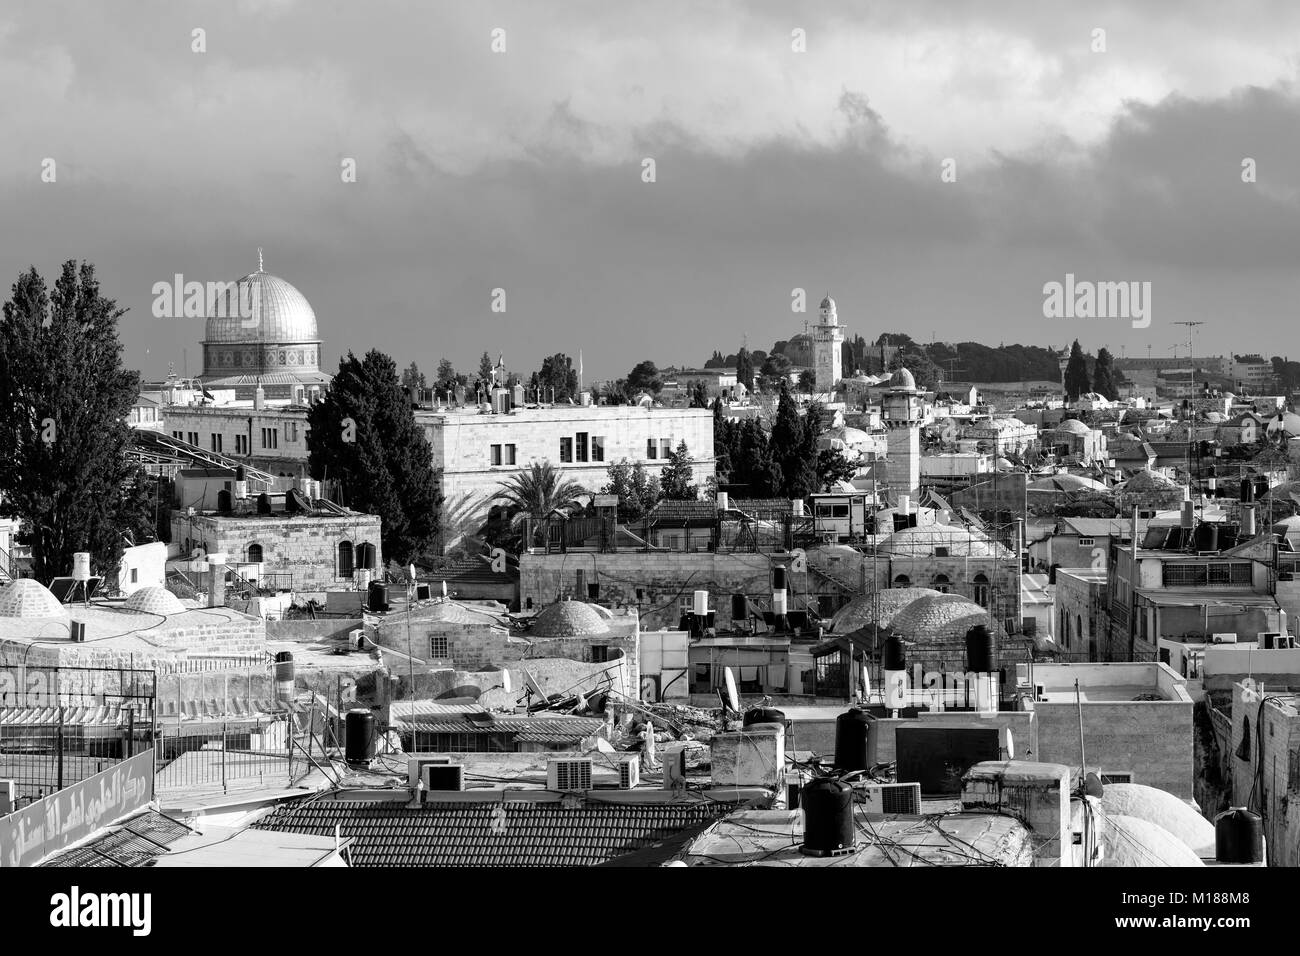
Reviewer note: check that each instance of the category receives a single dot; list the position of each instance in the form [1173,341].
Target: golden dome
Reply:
[273,313]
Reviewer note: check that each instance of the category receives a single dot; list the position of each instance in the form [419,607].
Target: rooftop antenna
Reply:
[259,258]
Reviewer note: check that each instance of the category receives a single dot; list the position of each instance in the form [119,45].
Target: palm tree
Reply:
[535,491]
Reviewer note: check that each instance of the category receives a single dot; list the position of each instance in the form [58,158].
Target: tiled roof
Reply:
[672,510]
[506,833]
[135,843]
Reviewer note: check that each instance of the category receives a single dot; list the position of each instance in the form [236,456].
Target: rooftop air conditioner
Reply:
[1269,640]
[569,774]
[904,798]
[443,776]
[1223,637]
[417,762]
[629,773]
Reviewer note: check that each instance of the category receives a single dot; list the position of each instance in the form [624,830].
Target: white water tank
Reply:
[700,603]
[81,566]
[724,501]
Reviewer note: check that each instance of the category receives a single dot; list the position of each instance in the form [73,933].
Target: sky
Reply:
[1111,156]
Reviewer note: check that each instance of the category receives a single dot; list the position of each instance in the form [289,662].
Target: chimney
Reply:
[1037,794]
[216,580]
[259,397]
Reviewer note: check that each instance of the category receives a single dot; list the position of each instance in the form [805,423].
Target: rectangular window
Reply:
[599,653]
[593,591]
[291,431]
[179,436]
[270,438]
[135,575]
[597,447]
[496,455]
[566,449]
[192,438]
[651,449]
[241,444]
[1086,542]
[438,647]
[216,442]
[582,446]
[665,447]
[510,454]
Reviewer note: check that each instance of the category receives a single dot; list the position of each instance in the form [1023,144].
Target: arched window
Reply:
[941,583]
[345,559]
[902,581]
[981,590]
[254,554]
[1078,627]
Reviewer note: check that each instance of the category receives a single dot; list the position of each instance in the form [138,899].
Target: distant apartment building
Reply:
[272,438]
[1252,372]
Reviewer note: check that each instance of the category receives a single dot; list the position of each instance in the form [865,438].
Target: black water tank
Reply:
[778,578]
[894,657]
[224,502]
[827,817]
[853,740]
[264,504]
[979,649]
[1238,836]
[764,715]
[1247,490]
[359,736]
[378,603]
[739,607]
[239,473]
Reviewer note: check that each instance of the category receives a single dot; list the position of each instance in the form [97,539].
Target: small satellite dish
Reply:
[1092,785]
[507,684]
[866,684]
[733,699]
[1010,744]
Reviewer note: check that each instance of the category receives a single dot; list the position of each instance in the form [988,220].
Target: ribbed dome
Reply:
[154,600]
[1164,810]
[568,619]
[861,611]
[1130,841]
[939,615]
[448,612]
[922,541]
[28,598]
[1147,480]
[281,315]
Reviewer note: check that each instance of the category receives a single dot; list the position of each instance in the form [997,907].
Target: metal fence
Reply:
[60,725]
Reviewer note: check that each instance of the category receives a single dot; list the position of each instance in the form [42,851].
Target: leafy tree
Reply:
[789,449]
[535,491]
[726,442]
[64,400]
[644,377]
[807,380]
[775,370]
[675,479]
[745,368]
[1076,373]
[485,367]
[755,466]
[832,467]
[363,435]
[699,396]
[412,377]
[446,375]
[557,379]
[716,360]
[1103,376]
[638,492]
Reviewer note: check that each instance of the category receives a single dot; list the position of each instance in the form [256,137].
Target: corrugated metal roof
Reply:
[519,726]
[513,833]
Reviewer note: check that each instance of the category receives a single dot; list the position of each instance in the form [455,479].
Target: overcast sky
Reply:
[775,169]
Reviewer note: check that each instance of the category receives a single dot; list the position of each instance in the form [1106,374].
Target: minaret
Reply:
[902,412]
[827,339]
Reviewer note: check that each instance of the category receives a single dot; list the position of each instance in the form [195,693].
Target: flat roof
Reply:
[222,846]
[1199,597]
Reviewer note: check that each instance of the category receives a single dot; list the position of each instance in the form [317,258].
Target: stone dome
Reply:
[828,303]
[1066,482]
[862,610]
[1073,426]
[154,600]
[28,598]
[1288,422]
[449,612]
[938,615]
[281,315]
[903,379]
[568,619]
[1147,480]
[1130,841]
[1163,809]
[922,541]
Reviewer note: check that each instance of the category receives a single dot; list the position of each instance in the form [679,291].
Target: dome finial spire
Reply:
[259,258]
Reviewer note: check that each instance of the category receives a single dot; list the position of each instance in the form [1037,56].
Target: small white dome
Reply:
[154,600]
[28,598]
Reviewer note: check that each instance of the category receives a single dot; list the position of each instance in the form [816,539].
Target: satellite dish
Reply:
[530,682]
[866,684]
[1010,744]
[507,684]
[1092,785]
[733,699]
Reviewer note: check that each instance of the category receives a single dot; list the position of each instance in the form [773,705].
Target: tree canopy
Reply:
[1076,373]
[363,436]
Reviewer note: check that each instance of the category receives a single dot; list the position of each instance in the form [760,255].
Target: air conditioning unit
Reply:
[629,774]
[569,774]
[1269,640]
[416,763]
[443,776]
[1223,637]
[675,766]
[904,798]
